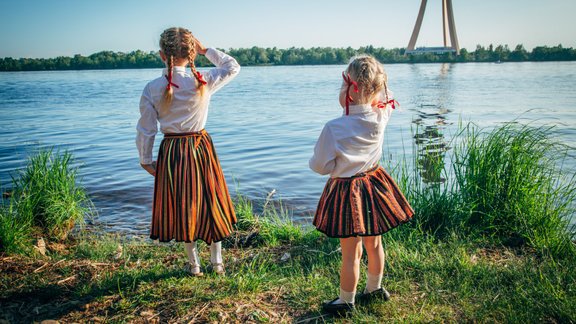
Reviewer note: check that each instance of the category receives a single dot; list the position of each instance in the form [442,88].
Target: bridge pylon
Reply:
[449,29]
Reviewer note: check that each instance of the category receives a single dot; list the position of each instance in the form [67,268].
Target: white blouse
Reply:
[188,111]
[351,144]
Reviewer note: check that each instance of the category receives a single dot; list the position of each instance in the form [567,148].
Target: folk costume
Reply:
[191,198]
[360,198]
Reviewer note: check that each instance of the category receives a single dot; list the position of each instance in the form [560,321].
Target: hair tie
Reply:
[200,78]
[392,102]
[349,83]
[169,79]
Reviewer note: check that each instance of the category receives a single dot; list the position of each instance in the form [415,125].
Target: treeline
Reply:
[291,56]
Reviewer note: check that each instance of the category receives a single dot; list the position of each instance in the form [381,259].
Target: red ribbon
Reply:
[349,83]
[200,78]
[382,104]
[170,83]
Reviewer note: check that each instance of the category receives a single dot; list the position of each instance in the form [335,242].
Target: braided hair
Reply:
[178,43]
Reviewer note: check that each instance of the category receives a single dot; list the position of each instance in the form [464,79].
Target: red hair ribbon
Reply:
[382,104]
[349,83]
[170,83]
[200,78]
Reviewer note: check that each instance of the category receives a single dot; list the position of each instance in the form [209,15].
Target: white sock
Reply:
[373,282]
[192,253]
[216,252]
[345,297]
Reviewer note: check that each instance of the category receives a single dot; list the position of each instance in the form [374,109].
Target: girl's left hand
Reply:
[200,49]
[150,168]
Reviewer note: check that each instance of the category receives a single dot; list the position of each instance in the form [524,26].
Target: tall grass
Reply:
[46,200]
[512,182]
[507,184]
[15,230]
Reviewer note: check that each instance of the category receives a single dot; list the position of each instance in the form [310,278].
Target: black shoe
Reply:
[338,309]
[378,294]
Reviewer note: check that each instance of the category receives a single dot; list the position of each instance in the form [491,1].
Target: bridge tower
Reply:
[449,28]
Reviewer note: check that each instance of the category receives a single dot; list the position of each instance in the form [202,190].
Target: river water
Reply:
[265,123]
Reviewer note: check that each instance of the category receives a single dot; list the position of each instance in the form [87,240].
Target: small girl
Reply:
[191,199]
[360,200]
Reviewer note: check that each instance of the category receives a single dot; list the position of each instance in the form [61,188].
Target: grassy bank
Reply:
[109,279]
[489,244]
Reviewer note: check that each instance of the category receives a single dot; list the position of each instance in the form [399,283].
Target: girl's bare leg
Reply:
[350,271]
[375,253]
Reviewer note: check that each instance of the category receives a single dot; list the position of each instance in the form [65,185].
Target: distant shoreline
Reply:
[258,56]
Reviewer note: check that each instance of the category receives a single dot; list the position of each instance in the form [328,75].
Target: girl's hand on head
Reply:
[200,49]
[150,168]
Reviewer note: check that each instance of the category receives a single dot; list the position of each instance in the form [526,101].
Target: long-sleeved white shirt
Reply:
[351,144]
[188,111]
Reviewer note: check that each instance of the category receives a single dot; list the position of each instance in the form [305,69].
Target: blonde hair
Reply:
[370,76]
[178,43]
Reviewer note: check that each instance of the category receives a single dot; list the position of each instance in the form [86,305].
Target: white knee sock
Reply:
[216,252]
[192,253]
[373,282]
[345,297]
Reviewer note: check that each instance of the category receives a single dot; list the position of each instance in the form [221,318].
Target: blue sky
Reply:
[49,28]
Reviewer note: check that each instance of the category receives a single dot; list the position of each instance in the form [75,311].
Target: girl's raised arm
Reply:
[226,69]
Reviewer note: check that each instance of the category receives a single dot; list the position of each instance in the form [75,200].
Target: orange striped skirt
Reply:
[191,199]
[366,204]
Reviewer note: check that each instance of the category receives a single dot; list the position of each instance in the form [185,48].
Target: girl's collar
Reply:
[175,69]
[358,109]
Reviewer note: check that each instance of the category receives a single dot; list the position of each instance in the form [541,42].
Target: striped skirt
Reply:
[366,204]
[191,199]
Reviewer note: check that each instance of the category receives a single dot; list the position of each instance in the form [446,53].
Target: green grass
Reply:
[15,230]
[46,201]
[512,186]
[506,185]
[451,280]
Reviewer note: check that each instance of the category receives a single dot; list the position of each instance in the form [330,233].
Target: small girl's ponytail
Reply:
[372,80]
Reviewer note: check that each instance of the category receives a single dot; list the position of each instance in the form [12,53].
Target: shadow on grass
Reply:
[53,301]
[314,317]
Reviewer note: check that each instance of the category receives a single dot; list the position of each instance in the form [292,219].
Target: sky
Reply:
[50,28]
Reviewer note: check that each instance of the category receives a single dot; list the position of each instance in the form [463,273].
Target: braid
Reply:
[177,43]
[386,91]
[191,57]
[167,98]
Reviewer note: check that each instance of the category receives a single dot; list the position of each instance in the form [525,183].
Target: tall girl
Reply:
[191,199]
[360,200]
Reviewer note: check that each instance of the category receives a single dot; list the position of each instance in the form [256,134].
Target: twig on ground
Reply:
[339,249]
[41,267]
[67,279]
[199,312]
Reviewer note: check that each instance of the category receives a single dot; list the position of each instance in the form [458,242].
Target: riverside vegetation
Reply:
[489,244]
[256,56]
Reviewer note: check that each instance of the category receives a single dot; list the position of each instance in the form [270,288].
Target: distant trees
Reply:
[97,61]
[290,56]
